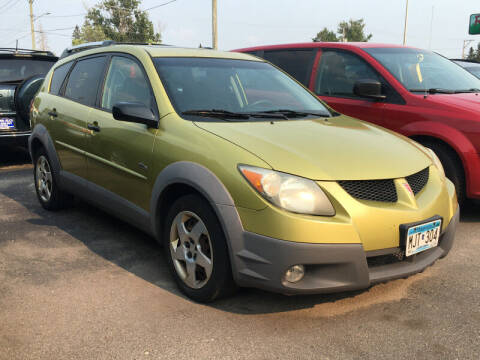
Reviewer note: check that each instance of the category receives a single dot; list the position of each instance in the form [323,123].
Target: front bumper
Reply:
[261,262]
[14,138]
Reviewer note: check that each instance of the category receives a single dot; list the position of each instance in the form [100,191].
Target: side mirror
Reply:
[369,88]
[134,112]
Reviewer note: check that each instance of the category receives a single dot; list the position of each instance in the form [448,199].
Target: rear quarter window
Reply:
[58,77]
[84,80]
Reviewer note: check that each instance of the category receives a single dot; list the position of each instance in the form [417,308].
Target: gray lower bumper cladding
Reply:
[261,262]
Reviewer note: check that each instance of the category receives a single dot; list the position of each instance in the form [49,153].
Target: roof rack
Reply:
[86,46]
[26,51]
[92,45]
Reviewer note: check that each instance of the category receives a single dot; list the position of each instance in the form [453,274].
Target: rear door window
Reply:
[297,62]
[84,79]
[58,76]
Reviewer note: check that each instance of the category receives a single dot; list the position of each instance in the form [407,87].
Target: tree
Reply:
[325,35]
[352,30]
[118,20]
[471,54]
[474,54]
[88,33]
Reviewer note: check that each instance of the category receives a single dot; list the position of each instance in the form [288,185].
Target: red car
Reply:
[415,92]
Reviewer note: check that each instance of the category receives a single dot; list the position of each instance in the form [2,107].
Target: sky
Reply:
[243,23]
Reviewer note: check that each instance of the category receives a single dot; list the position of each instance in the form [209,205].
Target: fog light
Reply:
[295,273]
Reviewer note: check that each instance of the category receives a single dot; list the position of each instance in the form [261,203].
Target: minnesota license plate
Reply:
[422,237]
[7,124]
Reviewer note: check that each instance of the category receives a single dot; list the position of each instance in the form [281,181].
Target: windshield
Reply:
[20,69]
[422,69]
[236,86]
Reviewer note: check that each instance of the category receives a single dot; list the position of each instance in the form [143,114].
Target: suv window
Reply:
[84,79]
[58,76]
[18,69]
[297,62]
[339,70]
[125,82]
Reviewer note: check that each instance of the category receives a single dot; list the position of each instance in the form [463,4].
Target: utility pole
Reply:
[431,31]
[32,29]
[405,27]
[214,25]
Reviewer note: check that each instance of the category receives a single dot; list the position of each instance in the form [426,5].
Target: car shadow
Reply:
[470,211]
[11,156]
[138,253]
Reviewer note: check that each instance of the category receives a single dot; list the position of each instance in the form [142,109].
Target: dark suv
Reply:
[21,74]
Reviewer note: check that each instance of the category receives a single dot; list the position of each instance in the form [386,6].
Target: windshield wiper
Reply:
[293,113]
[216,113]
[225,114]
[433,91]
[472,90]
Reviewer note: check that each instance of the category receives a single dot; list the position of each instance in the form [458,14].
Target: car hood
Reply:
[337,148]
[464,102]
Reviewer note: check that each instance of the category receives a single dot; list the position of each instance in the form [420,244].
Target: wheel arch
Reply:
[447,135]
[41,138]
[185,177]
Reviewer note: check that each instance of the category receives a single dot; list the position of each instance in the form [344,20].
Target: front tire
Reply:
[196,250]
[50,196]
[452,166]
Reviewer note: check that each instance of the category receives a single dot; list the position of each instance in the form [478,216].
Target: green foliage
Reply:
[352,30]
[325,35]
[118,20]
[474,54]
[88,33]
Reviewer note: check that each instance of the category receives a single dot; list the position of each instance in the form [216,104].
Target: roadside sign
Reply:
[474,28]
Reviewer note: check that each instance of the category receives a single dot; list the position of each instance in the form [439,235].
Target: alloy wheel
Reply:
[44,181]
[191,249]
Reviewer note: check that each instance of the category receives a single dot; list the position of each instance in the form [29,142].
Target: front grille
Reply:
[388,259]
[418,181]
[374,190]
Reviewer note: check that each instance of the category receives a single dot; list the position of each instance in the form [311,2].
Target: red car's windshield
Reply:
[424,70]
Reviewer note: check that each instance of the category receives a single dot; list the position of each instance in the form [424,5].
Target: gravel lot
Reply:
[79,284]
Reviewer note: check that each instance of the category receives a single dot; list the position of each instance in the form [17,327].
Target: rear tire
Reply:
[452,166]
[50,196]
[196,250]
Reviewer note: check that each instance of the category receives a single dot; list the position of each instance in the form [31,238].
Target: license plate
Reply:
[7,124]
[422,237]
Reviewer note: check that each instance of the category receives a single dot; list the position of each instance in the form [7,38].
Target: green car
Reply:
[245,177]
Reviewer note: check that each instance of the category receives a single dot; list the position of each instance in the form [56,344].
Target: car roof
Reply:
[158,50]
[340,45]
[26,53]
[465,62]
[172,51]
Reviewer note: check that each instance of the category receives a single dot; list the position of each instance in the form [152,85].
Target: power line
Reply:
[63,16]
[83,14]
[157,6]
[7,6]
[53,33]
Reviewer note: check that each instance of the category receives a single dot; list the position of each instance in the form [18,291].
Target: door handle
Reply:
[53,113]
[93,127]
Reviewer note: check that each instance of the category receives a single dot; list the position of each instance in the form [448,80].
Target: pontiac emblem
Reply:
[407,186]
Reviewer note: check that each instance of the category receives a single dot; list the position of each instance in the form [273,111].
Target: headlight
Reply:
[289,192]
[436,161]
